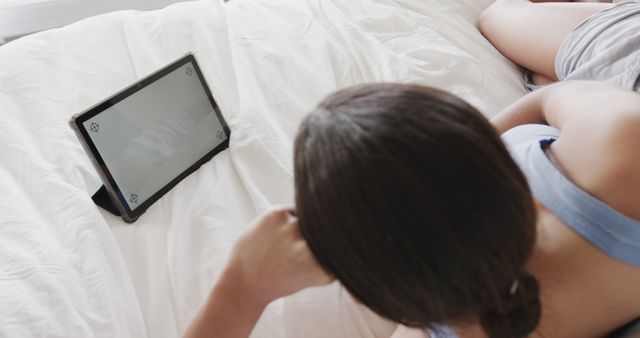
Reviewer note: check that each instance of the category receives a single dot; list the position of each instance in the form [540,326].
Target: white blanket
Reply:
[69,269]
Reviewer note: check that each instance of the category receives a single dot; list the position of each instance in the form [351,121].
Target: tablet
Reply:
[148,137]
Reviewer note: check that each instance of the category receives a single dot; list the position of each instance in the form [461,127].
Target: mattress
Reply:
[70,269]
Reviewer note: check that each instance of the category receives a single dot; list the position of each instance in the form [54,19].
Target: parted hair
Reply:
[407,195]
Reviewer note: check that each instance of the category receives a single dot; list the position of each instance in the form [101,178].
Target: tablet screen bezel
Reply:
[111,186]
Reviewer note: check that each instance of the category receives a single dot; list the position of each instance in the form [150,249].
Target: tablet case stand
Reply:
[101,198]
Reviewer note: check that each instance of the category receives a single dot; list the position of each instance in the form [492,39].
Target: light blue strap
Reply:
[442,332]
[609,230]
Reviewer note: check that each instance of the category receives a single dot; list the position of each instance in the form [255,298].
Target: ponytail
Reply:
[520,313]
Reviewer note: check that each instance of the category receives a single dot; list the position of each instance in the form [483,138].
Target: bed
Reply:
[70,269]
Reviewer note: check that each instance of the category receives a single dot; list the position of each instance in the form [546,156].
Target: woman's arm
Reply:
[526,110]
[599,140]
[589,104]
[268,262]
[599,136]
[530,34]
[228,312]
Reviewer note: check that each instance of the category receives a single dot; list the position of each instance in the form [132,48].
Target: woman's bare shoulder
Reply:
[599,145]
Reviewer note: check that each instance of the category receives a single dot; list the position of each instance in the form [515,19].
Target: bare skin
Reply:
[584,292]
[530,33]
[569,266]
[508,24]
[597,152]
[269,261]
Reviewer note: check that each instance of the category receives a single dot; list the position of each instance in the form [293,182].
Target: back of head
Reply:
[408,196]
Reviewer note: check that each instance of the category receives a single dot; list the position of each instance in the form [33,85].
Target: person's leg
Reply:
[529,34]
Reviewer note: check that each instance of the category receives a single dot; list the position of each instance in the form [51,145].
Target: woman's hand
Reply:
[269,261]
[272,260]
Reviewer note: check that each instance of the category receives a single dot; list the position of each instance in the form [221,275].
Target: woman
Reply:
[568,41]
[408,196]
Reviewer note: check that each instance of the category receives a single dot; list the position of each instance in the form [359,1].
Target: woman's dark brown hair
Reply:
[407,195]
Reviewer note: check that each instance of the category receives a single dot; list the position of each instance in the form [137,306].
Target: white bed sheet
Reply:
[69,269]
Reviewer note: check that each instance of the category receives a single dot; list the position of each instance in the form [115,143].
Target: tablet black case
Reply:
[101,198]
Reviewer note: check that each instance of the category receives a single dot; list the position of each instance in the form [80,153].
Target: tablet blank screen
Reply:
[152,136]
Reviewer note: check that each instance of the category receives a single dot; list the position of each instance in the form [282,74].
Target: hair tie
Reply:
[514,287]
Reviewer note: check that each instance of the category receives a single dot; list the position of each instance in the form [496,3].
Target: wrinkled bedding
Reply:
[70,269]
